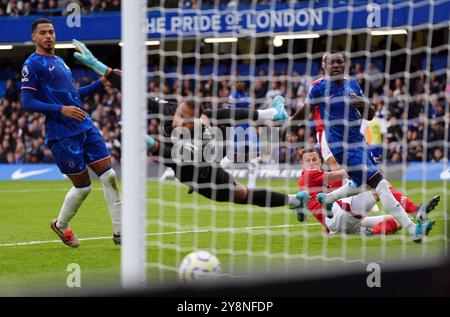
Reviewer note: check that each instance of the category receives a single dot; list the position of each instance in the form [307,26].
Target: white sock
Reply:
[363,203]
[252,173]
[346,190]
[293,201]
[251,178]
[226,162]
[393,207]
[265,115]
[72,202]
[112,197]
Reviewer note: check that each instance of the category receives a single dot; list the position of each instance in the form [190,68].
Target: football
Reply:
[199,265]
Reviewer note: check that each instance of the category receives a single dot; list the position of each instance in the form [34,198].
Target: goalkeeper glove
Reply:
[85,57]
[150,142]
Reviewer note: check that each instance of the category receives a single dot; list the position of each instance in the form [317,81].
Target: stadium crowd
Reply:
[417,110]
[409,125]
[410,119]
[196,4]
[16,8]
[58,7]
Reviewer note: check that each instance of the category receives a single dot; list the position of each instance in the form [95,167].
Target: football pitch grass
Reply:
[245,238]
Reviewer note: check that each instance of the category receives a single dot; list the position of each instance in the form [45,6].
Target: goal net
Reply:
[238,54]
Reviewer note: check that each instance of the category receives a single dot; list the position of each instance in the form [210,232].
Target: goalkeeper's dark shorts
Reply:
[208,180]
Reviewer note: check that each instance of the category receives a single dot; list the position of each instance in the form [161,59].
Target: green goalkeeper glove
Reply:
[84,56]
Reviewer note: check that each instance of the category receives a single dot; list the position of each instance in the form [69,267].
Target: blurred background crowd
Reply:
[412,112]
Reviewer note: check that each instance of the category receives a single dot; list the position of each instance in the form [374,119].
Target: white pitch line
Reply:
[6,191]
[164,233]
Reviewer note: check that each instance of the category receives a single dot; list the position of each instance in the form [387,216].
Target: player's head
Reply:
[311,159]
[43,34]
[240,86]
[186,113]
[334,65]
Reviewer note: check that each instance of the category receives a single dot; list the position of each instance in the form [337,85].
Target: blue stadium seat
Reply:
[206,70]
[359,60]
[78,73]
[171,80]
[279,67]
[170,69]
[378,61]
[224,70]
[243,69]
[4,75]
[301,65]
[2,87]
[315,67]
[437,62]
[91,74]
[188,69]
[259,66]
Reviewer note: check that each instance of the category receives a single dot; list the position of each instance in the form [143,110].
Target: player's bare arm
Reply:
[336,176]
[73,112]
[301,113]
[363,105]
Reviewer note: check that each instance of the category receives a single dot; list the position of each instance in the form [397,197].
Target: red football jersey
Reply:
[314,181]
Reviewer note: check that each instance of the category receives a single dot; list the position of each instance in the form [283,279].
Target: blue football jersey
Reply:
[51,80]
[239,100]
[342,122]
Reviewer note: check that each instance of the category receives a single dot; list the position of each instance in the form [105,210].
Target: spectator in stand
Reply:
[435,85]
[11,92]
[438,156]
[376,78]
[274,91]
[419,85]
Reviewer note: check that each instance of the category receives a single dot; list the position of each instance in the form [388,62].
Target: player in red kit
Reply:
[348,215]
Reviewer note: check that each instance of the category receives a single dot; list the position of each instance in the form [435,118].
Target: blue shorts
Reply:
[358,163]
[74,153]
[243,141]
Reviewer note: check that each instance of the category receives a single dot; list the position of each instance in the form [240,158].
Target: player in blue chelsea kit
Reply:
[341,104]
[47,87]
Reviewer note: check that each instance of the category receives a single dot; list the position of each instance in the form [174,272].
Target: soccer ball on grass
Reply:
[199,265]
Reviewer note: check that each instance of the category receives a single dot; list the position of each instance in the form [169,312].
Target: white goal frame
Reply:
[134,154]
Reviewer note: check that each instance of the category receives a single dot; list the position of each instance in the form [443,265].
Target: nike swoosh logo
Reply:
[51,68]
[445,175]
[21,175]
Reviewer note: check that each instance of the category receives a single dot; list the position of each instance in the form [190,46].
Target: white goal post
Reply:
[134,159]
[397,50]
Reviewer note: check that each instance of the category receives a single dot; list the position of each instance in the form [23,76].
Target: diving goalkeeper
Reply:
[206,178]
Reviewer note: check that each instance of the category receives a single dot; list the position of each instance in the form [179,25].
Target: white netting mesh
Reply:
[404,75]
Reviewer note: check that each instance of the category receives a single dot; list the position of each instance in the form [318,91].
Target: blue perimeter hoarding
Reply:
[427,172]
[414,172]
[30,172]
[258,20]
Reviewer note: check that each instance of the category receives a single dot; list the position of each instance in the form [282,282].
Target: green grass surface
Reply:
[246,239]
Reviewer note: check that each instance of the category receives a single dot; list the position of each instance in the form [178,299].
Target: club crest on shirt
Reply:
[25,71]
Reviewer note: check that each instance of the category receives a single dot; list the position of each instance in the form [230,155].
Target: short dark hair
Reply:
[333,52]
[310,150]
[39,21]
